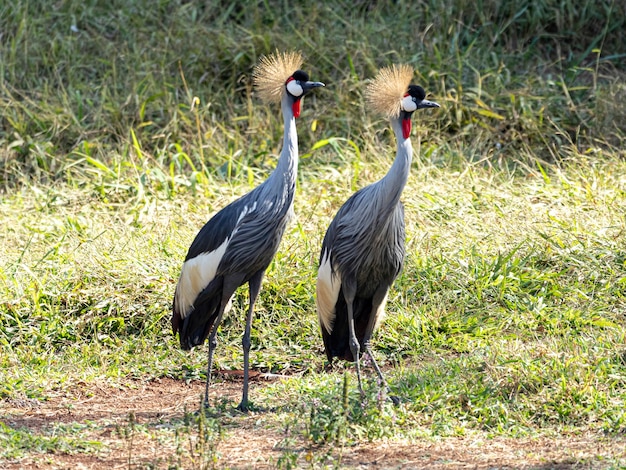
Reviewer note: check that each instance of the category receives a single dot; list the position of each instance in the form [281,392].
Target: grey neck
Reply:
[397,176]
[287,167]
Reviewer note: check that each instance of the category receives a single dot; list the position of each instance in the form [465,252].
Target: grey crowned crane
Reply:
[238,243]
[363,250]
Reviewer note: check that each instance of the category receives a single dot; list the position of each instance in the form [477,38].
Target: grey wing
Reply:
[256,238]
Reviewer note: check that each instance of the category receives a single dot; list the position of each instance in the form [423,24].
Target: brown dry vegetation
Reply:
[255,441]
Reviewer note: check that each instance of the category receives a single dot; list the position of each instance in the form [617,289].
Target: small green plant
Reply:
[197,440]
[343,416]
[289,457]
[127,432]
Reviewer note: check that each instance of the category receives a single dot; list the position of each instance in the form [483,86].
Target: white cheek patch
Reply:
[328,286]
[408,104]
[196,274]
[294,87]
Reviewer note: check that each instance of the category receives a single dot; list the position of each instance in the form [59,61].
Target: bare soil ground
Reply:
[249,441]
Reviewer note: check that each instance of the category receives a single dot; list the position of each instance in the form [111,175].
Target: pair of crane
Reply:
[362,252]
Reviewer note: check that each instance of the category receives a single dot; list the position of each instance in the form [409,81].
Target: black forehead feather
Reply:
[301,76]
[417,91]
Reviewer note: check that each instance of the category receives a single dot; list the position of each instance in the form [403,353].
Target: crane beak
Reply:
[306,88]
[427,104]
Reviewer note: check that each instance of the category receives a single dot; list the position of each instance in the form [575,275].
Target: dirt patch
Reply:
[101,413]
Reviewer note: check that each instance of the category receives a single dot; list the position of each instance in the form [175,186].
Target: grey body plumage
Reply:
[253,225]
[239,242]
[363,249]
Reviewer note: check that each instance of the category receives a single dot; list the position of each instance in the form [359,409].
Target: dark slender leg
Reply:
[355,348]
[378,301]
[230,286]
[349,294]
[376,368]
[212,346]
[254,287]
[383,382]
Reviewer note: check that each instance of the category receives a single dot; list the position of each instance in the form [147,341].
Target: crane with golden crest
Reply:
[238,243]
[363,250]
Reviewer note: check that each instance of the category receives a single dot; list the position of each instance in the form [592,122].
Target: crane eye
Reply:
[294,87]
[408,104]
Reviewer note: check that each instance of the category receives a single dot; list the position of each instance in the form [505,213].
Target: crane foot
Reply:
[243,407]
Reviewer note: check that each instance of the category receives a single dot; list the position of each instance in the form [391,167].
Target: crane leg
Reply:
[212,346]
[228,289]
[378,301]
[254,288]
[349,293]
[379,372]
[381,377]
[355,348]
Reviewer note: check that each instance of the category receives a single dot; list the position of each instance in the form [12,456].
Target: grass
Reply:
[17,442]
[124,127]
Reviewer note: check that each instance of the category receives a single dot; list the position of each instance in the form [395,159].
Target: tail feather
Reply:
[336,341]
[197,325]
[194,328]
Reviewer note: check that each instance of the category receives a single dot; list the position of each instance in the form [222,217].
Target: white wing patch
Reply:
[328,286]
[196,274]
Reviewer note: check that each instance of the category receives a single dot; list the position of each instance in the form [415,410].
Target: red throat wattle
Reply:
[295,107]
[406,127]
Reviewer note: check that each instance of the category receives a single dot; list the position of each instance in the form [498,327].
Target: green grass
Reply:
[124,127]
[59,439]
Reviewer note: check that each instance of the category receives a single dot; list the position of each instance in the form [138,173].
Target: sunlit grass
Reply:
[80,286]
[124,127]
[16,442]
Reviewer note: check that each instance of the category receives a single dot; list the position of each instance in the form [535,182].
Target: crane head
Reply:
[413,100]
[274,79]
[390,93]
[298,85]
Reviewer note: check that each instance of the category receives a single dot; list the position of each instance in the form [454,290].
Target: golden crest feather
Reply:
[271,73]
[384,93]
